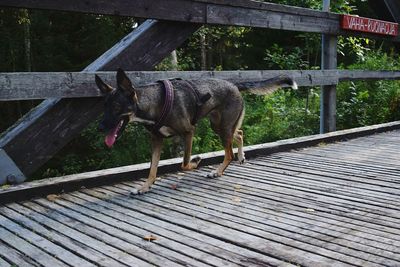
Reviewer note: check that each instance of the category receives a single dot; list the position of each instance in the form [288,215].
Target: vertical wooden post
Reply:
[328,93]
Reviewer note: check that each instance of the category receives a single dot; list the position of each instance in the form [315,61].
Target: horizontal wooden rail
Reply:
[237,12]
[31,85]
[351,75]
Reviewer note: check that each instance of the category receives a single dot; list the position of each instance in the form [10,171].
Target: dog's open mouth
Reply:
[113,135]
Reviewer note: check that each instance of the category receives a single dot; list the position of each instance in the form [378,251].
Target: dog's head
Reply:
[119,105]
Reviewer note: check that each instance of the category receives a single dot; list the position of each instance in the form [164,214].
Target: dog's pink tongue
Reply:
[112,136]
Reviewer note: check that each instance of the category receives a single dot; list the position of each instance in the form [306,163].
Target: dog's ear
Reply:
[104,88]
[124,83]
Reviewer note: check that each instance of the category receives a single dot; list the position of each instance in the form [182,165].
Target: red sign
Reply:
[360,24]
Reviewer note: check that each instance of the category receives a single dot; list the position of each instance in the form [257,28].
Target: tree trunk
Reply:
[27,38]
[203,48]
[174,60]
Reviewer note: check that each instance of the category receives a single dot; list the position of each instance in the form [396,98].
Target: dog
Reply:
[219,100]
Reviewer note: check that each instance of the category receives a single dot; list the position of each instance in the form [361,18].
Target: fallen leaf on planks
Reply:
[52,197]
[236,199]
[237,187]
[174,186]
[150,238]
[6,186]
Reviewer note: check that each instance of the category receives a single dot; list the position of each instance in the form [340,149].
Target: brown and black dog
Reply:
[219,100]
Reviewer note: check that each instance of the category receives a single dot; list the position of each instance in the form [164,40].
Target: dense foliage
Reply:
[57,41]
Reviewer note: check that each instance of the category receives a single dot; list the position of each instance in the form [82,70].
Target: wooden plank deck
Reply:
[328,205]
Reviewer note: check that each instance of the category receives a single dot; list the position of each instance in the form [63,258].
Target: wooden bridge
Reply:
[331,204]
[302,202]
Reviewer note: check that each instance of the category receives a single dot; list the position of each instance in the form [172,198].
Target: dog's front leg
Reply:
[188,164]
[156,146]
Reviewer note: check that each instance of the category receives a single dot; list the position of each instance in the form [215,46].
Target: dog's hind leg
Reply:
[227,158]
[238,137]
[156,146]
[226,122]
[188,164]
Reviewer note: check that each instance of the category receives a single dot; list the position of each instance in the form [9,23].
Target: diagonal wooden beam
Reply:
[34,139]
[394,8]
[386,9]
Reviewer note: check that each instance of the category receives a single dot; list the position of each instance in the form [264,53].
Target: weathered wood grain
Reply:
[226,15]
[238,12]
[381,194]
[53,249]
[230,212]
[145,47]
[258,5]
[99,252]
[328,92]
[391,8]
[18,86]
[353,75]
[338,169]
[16,257]
[26,248]
[303,202]
[179,10]
[4,263]
[270,199]
[171,231]
[309,207]
[217,224]
[112,248]
[46,129]
[324,195]
[333,163]
[97,178]
[270,208]
[79,248]
[198,12]
[23,85]
[164,247]
[129,243]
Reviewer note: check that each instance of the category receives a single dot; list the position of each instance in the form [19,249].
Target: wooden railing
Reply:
[40,85]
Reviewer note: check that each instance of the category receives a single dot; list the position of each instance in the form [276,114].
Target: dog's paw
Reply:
[241,159]
[196,160]
[134,192]
[213,174]
[141,191]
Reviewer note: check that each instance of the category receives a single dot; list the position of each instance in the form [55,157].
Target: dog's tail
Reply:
[265,87]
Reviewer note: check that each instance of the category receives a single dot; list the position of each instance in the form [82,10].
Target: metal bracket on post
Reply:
[9,172]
